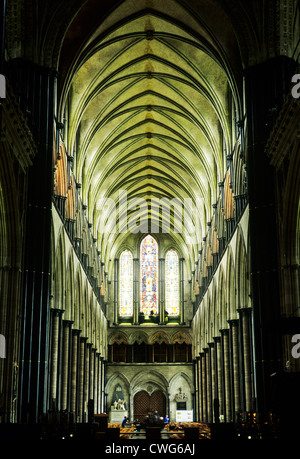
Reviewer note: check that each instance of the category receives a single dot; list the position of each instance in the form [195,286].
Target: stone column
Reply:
[92,400]
[169,405]
[226,380]
[136,290]
[96,387]
[245,315]
[28,80]
[210,381]
[201,386]
[10,318]
[206,386]
[234,333]
[55,335]
[74,372]
[213,379]
[199,360]
[161,292]
[266,88]
[87,377]
[102,395]
[81,378]
[93,373]
[65,368]
[197,387]
[219,375]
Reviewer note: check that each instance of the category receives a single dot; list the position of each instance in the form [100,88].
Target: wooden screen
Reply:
[141,406]
[144,403]
[158,403]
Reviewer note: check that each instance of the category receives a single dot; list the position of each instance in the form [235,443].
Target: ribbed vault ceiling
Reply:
[150,99]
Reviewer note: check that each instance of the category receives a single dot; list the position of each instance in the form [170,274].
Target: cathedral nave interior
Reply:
[149,218]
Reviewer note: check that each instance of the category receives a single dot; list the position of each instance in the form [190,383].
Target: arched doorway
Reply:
[143,403]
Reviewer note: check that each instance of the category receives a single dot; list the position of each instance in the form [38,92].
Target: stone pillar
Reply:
[234,336]
[10,318]
[161,293]
[197,387]
[213,378]
[245,315]
[92,401]
[87,376]
[206,386]
[29,80]
[93,373]
[65,368]
[131,406]
[226,381]
[102,394]
[266,88]
[169,405]
[210,381]
[136,290]
[201,387]
[74,372]
[219,375]
[55,336]
[81,378]
[96,387]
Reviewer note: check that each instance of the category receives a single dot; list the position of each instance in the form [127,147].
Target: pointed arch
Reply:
[215,315]
[91,318]
[209,323]
[138,337]
[181,337]
[203,324]
[118,337]
[159,337]
[150,377]
[222,301]
[84,316]
[114,379]
[98,326]
[70,289]
[230,287]
[174,379]
[78,299]
[241,264]
[60,273]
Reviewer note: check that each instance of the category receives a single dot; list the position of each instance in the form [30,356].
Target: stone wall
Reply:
[174,380]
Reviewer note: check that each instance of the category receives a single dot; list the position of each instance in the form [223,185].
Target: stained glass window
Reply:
[126,284]
[149,275]
[172,283]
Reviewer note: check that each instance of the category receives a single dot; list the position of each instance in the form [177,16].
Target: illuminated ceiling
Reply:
[151,100]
